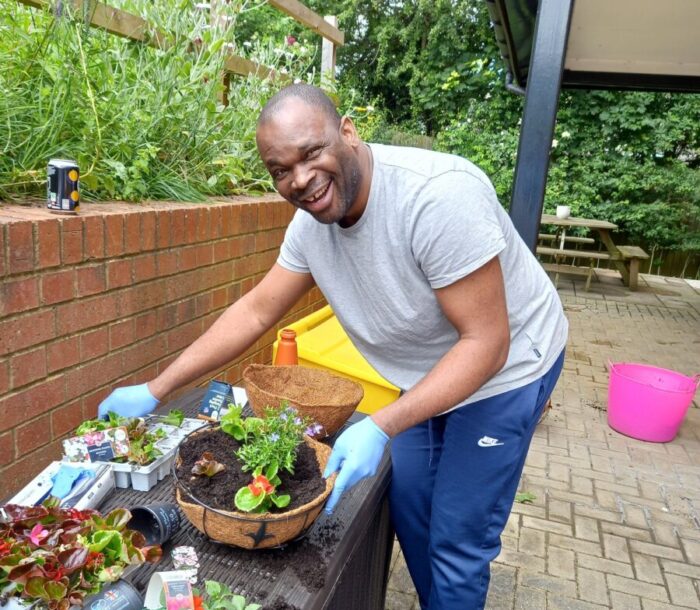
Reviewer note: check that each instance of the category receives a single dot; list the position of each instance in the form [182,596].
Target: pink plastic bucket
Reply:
[647,402]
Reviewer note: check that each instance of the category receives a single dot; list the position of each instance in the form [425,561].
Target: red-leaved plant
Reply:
[53,557]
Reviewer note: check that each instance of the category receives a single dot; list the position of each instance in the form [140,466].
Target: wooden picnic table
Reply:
[624,258]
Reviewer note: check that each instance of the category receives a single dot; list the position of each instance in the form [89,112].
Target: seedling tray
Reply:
[143,478]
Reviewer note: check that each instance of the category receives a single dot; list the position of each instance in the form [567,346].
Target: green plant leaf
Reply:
[175,417]
[55,590]
[246,501]
[271,471]
[234,602]
[35,587]
[281,501]
[118,518]
[213,588]
[525,497]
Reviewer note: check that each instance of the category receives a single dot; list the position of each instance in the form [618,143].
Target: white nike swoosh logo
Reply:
[492,442]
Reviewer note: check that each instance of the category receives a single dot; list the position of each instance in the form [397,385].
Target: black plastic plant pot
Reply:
[120,595]
[157,522]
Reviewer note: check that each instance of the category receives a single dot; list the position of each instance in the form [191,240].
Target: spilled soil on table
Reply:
[218,491]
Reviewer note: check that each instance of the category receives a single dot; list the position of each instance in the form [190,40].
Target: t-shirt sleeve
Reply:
[291,255]
[455,227]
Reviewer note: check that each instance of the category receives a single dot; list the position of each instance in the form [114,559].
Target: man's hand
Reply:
[131,401]
[357,454]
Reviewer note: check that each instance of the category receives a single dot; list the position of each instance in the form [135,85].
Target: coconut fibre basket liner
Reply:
[325,398]
[255,530]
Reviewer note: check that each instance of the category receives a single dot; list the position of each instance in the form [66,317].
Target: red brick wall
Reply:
[110,297]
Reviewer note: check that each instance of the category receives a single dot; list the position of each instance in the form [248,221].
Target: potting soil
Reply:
[218,491]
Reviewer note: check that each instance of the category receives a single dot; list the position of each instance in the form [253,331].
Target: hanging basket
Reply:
[325,398]
[254,530]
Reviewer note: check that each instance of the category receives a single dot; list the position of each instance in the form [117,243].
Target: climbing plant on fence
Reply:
[142,122]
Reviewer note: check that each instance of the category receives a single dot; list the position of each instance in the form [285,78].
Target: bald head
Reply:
[312,96]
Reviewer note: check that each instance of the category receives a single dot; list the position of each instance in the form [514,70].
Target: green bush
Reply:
[141,122]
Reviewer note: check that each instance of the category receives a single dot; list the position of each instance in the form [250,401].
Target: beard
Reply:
[347,188]
[346,185]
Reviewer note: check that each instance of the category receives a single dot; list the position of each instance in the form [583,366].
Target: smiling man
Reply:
[431,282]
[316,170]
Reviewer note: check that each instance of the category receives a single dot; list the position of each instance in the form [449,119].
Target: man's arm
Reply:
[232,333]
[241,325]
[476,307]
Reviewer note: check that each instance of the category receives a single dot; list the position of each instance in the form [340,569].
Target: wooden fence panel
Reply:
[126,25]
[313,21]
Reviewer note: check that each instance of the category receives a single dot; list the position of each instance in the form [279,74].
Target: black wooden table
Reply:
[341,564]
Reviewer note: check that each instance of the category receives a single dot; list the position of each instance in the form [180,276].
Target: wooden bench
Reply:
[631,255]
[567,238]
[557,267]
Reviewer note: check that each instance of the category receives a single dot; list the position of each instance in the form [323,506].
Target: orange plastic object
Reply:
[287,348]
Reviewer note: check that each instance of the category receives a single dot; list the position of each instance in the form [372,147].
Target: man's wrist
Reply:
[382,423]
[157,389]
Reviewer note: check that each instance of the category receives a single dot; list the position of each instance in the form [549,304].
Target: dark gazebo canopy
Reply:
[619,44]
[647,45]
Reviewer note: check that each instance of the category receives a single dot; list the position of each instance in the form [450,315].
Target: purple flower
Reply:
[313,430]
[297,420]
[274,437]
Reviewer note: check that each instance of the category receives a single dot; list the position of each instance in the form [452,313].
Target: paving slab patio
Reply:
[616,521]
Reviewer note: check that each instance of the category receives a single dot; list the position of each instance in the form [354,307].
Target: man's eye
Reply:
[278,174]
[314,152]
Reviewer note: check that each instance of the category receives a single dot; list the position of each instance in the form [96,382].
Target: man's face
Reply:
[313,162]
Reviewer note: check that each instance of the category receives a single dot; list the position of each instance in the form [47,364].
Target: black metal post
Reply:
[539,116]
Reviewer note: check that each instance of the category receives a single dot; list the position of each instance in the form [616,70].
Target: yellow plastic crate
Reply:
[323,344]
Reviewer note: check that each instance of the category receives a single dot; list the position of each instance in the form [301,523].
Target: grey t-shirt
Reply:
[431,219]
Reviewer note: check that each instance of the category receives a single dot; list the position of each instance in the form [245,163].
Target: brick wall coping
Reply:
[13,212]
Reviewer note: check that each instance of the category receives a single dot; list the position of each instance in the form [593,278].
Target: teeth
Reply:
[316,196]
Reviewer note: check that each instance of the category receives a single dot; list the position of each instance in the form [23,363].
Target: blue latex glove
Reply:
[66,476]
[130,401]
[357,454]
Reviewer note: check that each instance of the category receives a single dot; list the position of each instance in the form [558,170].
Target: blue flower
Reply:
[274,437]
[313,430]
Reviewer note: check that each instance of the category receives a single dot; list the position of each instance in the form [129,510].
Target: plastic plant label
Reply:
[219,393]
[100,446]
[170,590]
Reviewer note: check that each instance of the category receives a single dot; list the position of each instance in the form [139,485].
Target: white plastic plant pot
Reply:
[169,430]
[122,474]
[143,478]
[190,424]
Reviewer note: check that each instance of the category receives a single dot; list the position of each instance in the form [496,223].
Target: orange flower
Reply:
[198,603]
[260,485]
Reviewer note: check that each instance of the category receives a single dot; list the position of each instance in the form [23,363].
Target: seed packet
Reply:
[98,446]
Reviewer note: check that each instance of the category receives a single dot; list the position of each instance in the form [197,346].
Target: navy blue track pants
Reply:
[453,483]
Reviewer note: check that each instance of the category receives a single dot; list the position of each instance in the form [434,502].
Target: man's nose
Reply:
[301,177]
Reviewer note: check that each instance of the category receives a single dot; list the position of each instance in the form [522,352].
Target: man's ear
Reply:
[348,132]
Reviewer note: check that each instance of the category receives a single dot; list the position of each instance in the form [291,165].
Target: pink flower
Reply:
[291,40]
[38,534]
